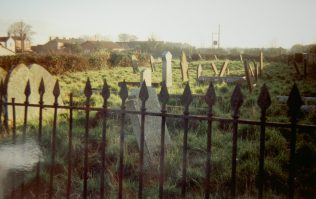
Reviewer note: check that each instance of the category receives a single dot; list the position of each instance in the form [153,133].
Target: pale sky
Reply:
[244,23]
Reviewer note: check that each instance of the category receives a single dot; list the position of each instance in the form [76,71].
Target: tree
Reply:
[123,37]
[21,30]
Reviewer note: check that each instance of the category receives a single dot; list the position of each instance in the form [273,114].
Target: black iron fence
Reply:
[294,102]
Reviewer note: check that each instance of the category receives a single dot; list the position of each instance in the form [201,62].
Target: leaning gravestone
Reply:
[166,68]
[152,63]
[3,74]
[184,67]
[15,85]
[199,71]
[248,76]
[223,69]
[152,126]
[214,68]
[145,75]
[135,64]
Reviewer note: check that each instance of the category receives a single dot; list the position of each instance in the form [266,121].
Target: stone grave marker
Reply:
[261,64]
[152,63]
[135,64]
[297,68]
[152,130]
[3,74]
[241,58]
[199,71]
[200,57]
[255,69]
[145,75]
[206,79]
[184,67]
[223,69]
[215,57]
[214,68]
[167,68]
[248,76]
[251,71]
[15,85]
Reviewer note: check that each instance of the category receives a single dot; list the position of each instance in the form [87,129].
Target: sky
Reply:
[243,23]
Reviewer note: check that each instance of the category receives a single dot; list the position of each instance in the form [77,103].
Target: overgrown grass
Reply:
[278,77]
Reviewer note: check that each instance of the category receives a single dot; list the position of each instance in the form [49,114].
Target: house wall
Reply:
[10,44]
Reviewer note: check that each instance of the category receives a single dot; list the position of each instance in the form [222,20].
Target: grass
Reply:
[278,77]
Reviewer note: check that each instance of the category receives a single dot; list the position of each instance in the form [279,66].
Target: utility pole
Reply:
[219,34]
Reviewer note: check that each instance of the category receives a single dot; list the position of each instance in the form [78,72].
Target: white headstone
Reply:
[145,75]
[152,130]
[167,68]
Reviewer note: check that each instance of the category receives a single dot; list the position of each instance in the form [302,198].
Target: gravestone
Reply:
[248,76]
[256,70]
[135,64]
[184,67]
[223,69]
[199,71]
[3,74]
[15,85]
[251,71]
[145,75]
[241,58]
[152,63]
[152,132]
[261,64]
[214,68]
[297,68]
[200,57]
[215,57]
[167,68]
[206,79]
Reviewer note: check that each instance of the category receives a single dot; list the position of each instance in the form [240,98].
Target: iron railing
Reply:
[294,102]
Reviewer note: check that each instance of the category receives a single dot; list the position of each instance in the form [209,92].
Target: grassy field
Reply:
[278,77]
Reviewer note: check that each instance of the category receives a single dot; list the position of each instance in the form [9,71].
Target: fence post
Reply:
[1,105]
[56,93]
[41,91]
[163,97]
[27,93]
[105,95]
[88,93]
[294,103]
[186,101]
[264,102]
[210,99]
[143,95]
[236,102]
[70,146]
[123,95]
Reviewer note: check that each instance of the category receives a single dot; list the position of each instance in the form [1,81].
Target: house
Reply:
[5,51]
[55,44]
[92,46]
[8,43]
[15,44]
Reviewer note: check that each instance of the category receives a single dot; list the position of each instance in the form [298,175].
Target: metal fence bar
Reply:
[163,97]
[236,102]
[186,101]
[264,102]
[41,91]
[56,93]
[88,93]
[1,105]
[210,99]
[70,147]
[294,103]
[123,95]
[143,95]
[105,94]
[13,142]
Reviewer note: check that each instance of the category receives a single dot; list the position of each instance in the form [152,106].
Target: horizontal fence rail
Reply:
[294,103]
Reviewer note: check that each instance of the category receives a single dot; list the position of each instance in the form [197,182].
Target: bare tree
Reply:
[22,30]
[123,37]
